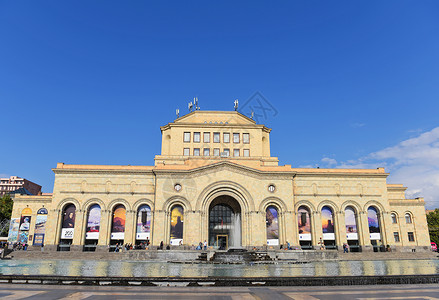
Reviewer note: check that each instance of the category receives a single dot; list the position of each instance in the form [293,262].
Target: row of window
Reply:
[408,218]
[410,235]
[216,152]
[216,137]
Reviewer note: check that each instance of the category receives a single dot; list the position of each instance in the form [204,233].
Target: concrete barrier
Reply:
[221,281]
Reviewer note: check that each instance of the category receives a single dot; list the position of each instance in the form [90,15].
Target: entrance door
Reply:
[222,241]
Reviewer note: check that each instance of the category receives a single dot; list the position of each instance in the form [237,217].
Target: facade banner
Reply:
[374,223]
[93,222]
[42,211]
[23,237]
[351,224]
[118,228]
[327,223]
[304,223]
[143,229]
[25,223]
[13,230]
[177,219]
[40,230]
[272,226]
[69,217]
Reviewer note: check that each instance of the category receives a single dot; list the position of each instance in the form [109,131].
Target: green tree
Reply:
[6,203]
[433,225]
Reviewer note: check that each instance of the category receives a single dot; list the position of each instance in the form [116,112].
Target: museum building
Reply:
[216,181]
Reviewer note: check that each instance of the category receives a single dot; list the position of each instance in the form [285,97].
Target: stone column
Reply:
[128,234]
[340,230]
[78,231]
[316,229]
[364,230]
[104,231]
[290,229]
[159,227]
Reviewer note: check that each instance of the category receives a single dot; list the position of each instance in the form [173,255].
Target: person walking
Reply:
[205,245]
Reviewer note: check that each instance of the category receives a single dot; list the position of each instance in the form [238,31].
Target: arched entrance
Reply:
[225,223]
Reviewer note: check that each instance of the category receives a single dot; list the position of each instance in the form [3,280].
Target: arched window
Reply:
[408,218]
[143,230]
[374,223]
[67,227]
[304,224]
[394,218]
[328,226]
[177,219]
[272,225]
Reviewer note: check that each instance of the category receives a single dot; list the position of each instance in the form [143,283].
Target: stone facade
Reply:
[245,185]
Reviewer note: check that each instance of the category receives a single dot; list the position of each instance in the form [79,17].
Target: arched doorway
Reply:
[225,223]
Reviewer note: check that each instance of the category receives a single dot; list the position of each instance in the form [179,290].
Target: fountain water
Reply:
[235,231]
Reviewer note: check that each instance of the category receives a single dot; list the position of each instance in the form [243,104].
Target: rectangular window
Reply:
[236,138]
[187,137]
[206,152]
[186,152]
[411,236]
[196,151]
[396,237]
[226,137]
[246,138]
[197,137]
[236,152]
[206,137]
[226,153]
[216,137]
[216,152]
[246,153]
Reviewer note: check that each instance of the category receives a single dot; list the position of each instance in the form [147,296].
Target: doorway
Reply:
[222,240]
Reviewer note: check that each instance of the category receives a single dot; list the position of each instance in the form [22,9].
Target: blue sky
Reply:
[353,83]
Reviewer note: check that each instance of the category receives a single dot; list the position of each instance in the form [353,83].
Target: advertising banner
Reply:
[374,224]
[13,230]
[177,215]
[272,226]
[23,237]
[327,224]
[351,224]
[118,228]
[143,223]
[40,230]
[304,223]
[25,223]
[93,223]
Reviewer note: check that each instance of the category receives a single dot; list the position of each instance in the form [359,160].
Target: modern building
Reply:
[216,180]
[13,183]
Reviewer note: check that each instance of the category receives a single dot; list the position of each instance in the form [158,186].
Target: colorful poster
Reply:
[23,237]
[351,224]
[118,227]
[177,220]
[69,217]
[272,223]
[374,224]
[13,230]
[304,222]
[25,223]
[40,230]
[93,222]
[327,223]
[143,223]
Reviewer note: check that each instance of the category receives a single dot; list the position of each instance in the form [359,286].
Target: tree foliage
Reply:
[433,225]
[6,204]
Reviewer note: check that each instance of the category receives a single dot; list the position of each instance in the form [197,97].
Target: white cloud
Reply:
[413,162]
[329,161]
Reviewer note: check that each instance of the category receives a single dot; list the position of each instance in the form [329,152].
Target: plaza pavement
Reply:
[383,292]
